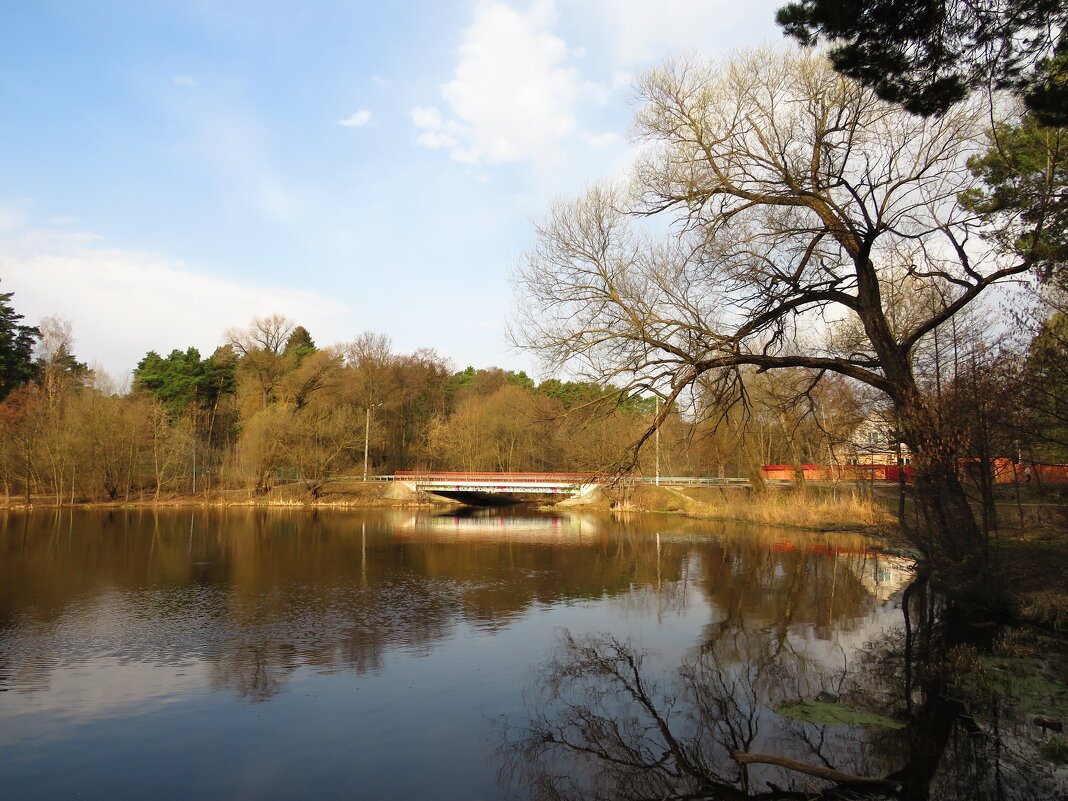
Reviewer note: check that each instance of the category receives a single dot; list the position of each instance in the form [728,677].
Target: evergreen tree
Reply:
[929,54]
[299,345]
[177,381]
[16,348]
[1024,200]
[63,363]
[220,370]
[1044,387]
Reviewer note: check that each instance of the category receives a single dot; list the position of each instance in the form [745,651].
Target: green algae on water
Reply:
[826,714]
[1055,751]
[1028,684]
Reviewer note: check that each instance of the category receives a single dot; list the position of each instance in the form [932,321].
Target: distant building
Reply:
[873,442]
[871,453]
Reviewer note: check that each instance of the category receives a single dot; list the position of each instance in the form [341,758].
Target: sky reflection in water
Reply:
[253,654]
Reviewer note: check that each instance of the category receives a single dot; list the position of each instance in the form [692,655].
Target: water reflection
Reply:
[605,726]
[513,522]
[168,617]
[258,594]
[603,723]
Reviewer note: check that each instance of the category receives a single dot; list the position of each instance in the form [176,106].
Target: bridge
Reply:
[487,488]
[491,488]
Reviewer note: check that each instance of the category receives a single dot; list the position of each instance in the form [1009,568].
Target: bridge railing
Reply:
[561,478]
[574,478]
[692,481]
[492,478]
[389,477]
[584,478]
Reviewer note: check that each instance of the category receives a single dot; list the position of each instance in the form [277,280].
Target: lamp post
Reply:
[366,439]
[367,434]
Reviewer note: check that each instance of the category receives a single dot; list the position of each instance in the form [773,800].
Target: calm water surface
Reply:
[276,655]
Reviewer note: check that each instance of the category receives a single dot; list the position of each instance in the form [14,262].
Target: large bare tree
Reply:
[781,216]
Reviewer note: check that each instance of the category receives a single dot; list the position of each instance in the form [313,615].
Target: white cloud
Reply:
[603,140]
[636,32]
[436,132]
[517,93]
[428,117]
[622,79]
[184,80]
[438,139]
[513,94]
[13,214]
[357,120]
[238,143]
[124,303]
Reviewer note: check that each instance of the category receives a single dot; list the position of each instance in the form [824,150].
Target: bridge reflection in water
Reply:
[502,524]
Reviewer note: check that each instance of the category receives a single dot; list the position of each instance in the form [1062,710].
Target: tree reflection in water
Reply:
[605,723]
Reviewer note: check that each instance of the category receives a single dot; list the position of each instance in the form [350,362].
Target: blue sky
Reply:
[172,169]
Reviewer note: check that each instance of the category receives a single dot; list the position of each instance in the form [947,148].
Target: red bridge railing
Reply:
[493,478]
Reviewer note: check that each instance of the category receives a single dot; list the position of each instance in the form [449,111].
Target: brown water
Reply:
[275,655]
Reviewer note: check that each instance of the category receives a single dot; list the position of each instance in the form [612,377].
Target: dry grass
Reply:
[1047,608]
[1031,564]
[819,510]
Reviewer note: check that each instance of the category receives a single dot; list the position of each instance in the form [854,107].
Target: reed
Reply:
[840,509]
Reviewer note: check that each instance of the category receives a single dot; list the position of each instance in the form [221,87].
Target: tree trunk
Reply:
[821,771]
[950,529]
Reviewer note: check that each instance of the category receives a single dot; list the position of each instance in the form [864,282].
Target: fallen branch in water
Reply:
[819,771]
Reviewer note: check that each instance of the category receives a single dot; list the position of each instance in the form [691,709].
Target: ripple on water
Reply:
[335,654]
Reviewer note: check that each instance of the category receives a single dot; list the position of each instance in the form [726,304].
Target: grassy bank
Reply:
[822,508]
[1031,563]
[819,509]
[336,494]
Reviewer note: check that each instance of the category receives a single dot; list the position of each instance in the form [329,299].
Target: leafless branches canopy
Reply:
[811,226]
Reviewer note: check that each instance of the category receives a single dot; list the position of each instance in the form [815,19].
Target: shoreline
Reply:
[1029,556]
[657,501]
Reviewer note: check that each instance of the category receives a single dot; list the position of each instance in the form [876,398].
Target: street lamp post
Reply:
[366,439]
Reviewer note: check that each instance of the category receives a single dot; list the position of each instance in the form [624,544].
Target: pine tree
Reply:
[16,348]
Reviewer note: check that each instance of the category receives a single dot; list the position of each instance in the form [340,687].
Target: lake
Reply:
[274,654]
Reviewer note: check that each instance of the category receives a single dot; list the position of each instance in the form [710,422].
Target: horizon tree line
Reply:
[269,407]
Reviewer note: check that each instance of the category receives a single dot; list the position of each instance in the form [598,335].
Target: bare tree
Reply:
[316,373]
[800,203]
[57,336]
[320,440]
[263,333]
[58,368]
[368,347]
[23,419]
[603,725]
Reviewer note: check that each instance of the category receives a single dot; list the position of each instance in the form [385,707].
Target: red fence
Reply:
[1006,471]
[837,472]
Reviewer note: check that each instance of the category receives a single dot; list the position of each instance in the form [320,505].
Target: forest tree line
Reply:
[269,406]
